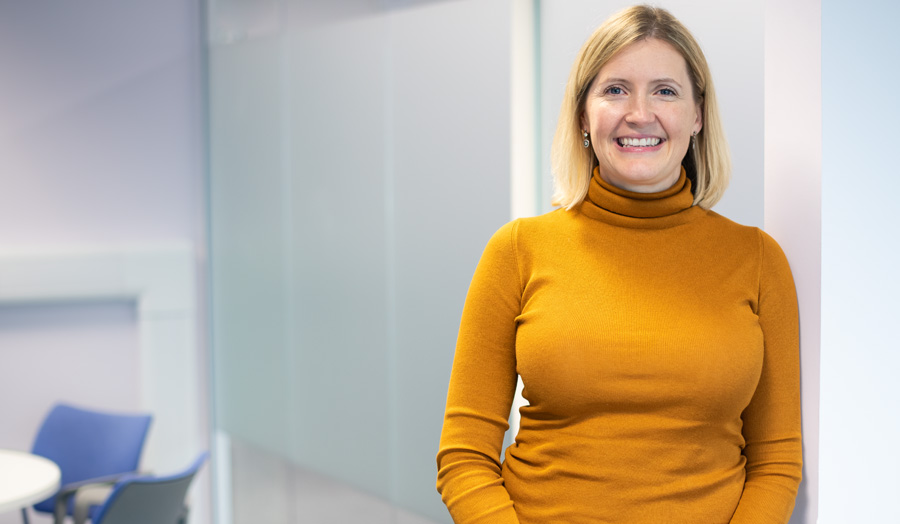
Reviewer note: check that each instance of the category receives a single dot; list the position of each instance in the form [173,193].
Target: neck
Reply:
[648,186]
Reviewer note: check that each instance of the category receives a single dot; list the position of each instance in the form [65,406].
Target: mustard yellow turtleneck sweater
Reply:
[658,345]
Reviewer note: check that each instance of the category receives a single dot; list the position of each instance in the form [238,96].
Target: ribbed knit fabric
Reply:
[658,345]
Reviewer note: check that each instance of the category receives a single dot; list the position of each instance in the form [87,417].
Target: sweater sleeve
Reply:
[772,419]
[482,385]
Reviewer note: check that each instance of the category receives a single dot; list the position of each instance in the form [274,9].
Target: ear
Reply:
[584,122]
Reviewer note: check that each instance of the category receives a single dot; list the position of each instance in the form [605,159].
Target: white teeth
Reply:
[638,142]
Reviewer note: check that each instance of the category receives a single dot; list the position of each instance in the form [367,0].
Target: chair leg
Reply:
[182,519]
[24,515]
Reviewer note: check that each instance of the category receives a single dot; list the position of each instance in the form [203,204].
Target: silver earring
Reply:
[587,141]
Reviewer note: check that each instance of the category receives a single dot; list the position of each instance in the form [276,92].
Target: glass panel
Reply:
[339,251]
[359,161]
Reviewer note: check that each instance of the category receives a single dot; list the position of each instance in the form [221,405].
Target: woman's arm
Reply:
[772,420]
[482,385]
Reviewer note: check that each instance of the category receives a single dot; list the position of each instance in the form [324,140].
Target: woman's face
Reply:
[640,113]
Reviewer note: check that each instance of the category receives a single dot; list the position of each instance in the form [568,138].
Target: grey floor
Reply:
[268,489]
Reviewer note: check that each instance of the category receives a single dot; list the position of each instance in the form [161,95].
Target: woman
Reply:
[657,341]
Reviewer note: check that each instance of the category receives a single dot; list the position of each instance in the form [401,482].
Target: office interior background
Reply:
[257,220]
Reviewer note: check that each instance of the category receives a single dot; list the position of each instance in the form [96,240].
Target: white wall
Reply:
[793,190]
[85,353]
[101,144]
[100,139]
[860,426]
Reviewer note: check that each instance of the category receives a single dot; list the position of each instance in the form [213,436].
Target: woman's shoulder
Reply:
[533,227]
[725,223]
[543,224]
[521,235]
[749,235]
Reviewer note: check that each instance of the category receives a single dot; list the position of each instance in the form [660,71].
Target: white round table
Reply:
[25,479]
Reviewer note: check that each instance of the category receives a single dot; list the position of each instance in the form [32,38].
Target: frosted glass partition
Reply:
[249,253]
[359,161]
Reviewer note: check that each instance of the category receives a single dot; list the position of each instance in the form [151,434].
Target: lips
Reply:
[639,142]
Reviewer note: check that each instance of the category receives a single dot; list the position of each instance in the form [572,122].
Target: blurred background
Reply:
[258,220]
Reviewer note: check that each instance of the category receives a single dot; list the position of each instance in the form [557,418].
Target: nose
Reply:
[639,111]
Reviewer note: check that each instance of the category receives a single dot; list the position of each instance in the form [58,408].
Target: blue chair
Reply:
[140,499]
[88,446]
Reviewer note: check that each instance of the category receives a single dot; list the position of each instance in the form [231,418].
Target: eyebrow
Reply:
[665,80]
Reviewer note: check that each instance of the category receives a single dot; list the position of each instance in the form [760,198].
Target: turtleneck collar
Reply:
[671,207]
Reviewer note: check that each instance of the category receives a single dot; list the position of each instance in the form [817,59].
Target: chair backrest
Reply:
[149,500]
[87,444]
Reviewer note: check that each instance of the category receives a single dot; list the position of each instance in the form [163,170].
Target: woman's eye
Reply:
[666,92]
[614,90]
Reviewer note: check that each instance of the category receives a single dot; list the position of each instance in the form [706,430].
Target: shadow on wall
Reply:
[801,506]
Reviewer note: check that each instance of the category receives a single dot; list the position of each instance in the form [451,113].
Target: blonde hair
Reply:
[708,162]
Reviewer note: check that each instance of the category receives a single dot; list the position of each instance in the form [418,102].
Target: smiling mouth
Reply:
[638,142]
